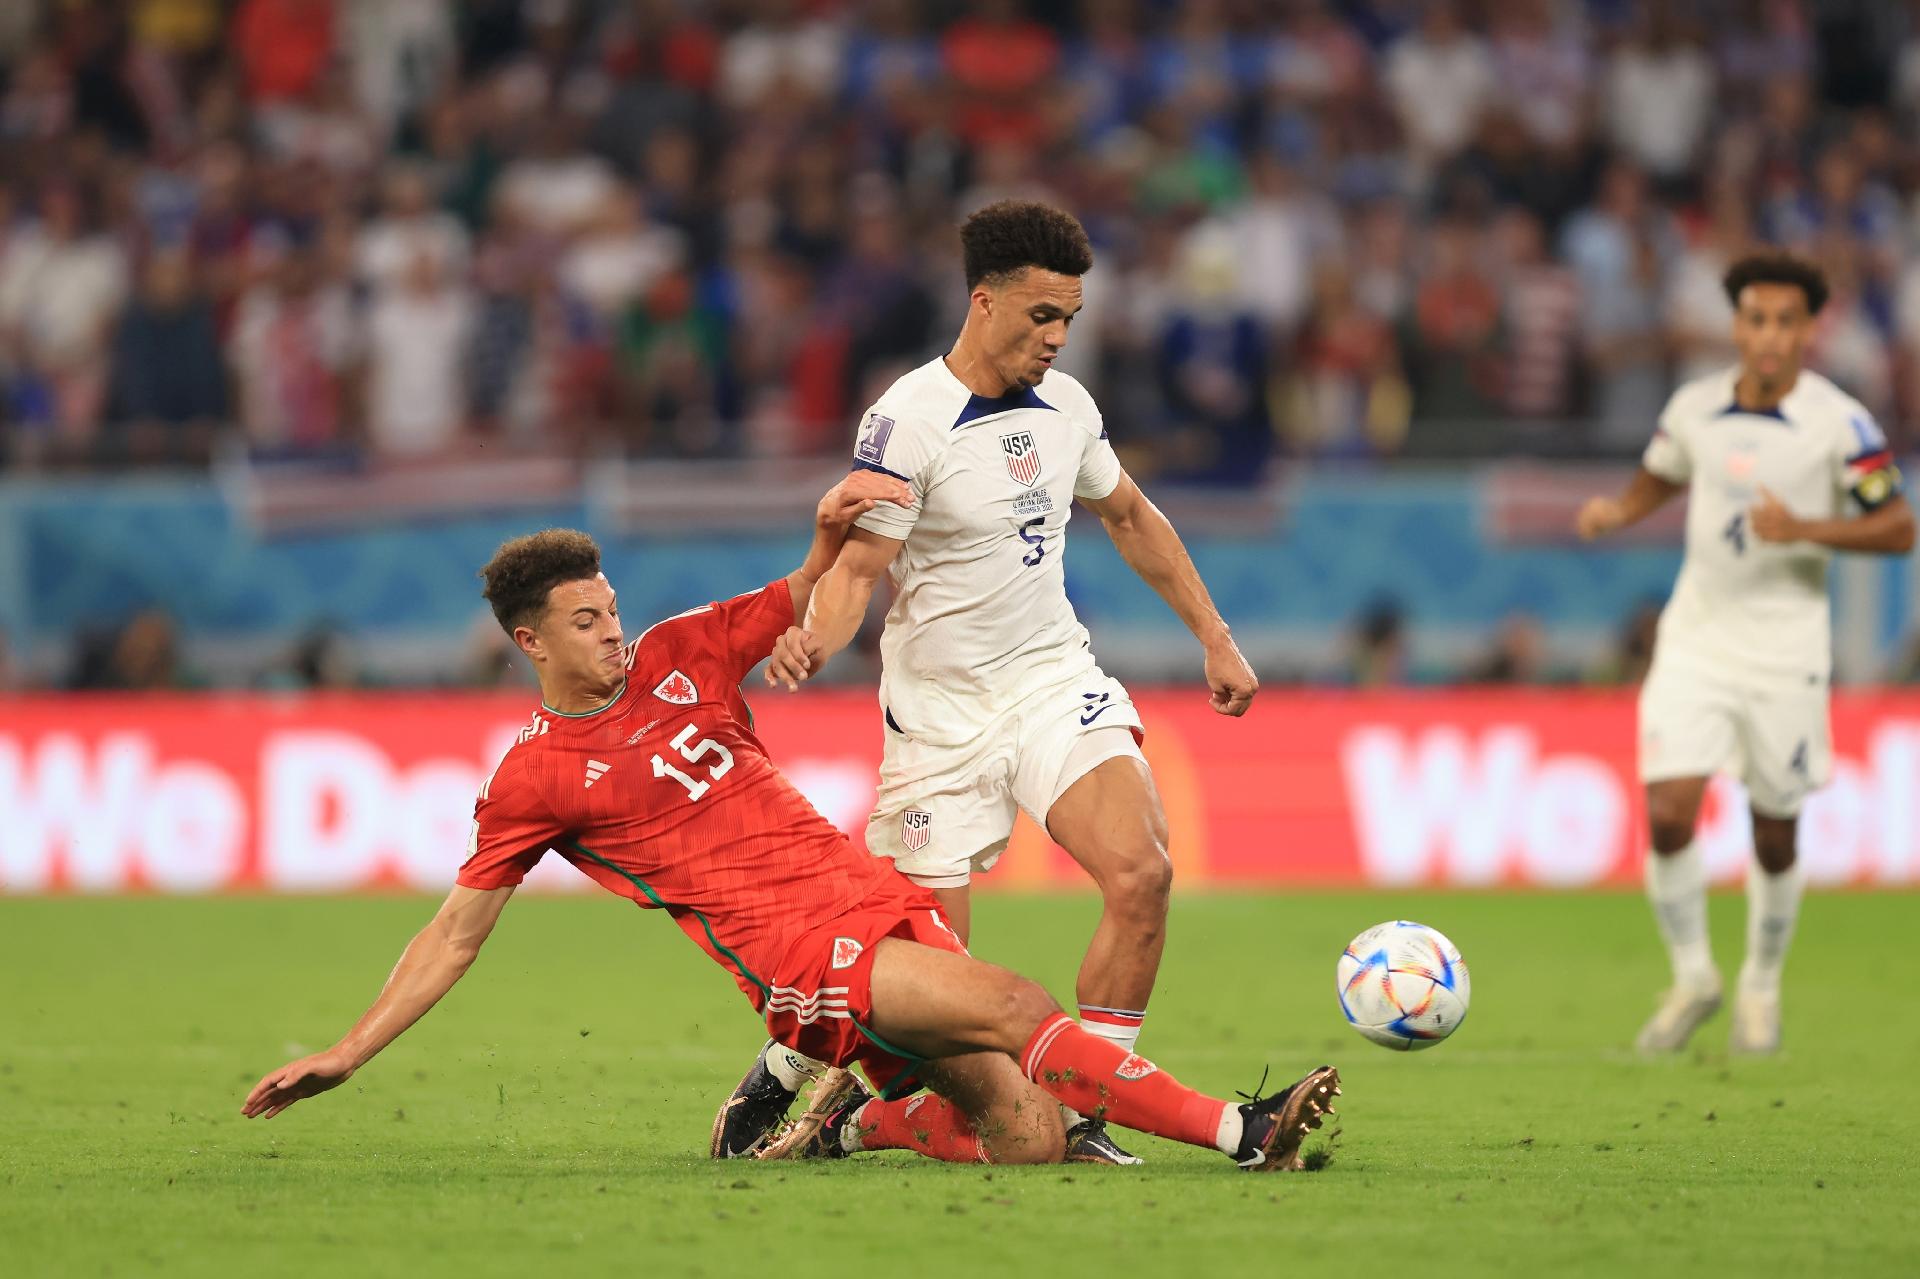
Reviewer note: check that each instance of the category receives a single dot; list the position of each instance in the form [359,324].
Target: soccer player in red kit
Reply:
[641,769]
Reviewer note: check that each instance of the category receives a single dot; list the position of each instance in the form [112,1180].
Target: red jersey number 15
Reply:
[693,752]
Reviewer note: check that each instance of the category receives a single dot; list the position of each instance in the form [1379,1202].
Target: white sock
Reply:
[792,1069]
[1232,1128]
[1773,907]
[853,1133]
[1115,1025]
[1677,887]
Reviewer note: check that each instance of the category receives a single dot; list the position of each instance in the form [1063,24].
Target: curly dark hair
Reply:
[1777,267]
[522,572]
[1005,238]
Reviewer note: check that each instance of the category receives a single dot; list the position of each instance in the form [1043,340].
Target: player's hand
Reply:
[306,1077]
[1772,521]
[1230,679]
[796,655]
[1599,517]
[859,493]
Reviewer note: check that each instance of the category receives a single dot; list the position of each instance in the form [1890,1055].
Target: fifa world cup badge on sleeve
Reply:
[872,447]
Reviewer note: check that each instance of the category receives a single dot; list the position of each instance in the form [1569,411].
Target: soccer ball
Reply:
[1402,985]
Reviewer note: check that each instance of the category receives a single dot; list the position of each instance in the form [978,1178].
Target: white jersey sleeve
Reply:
[1666,454]
[906,446]
[1863,461]
[1098,474]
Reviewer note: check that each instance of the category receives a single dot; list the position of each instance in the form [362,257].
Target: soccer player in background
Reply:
[641,769]
[1781,468]
[991,701]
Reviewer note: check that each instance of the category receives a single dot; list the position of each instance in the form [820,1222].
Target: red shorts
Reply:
[822,998]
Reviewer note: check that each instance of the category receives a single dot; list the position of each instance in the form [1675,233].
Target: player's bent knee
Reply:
[1141,889]
[1774,845]
[1021,1006]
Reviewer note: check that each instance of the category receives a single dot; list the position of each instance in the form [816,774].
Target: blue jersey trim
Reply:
[870,466]
[979,406]
[1734,410]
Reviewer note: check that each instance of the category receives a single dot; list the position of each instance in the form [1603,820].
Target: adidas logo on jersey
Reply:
[678,689]
[595,771]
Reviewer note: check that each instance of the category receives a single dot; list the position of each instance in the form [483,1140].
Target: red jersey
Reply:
[665,796]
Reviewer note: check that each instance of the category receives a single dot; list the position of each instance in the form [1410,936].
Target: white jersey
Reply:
[981,618]
[1741,603]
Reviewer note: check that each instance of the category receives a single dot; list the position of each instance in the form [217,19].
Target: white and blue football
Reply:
[1403,985]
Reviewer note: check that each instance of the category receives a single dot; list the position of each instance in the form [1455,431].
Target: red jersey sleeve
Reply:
[741,631]
[512,829]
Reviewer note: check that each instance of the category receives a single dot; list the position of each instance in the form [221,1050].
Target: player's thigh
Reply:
[942,812]
[1111,820]
[1016,1120]
[938,1003]
[1786,745]
[1689,724]
[957,905]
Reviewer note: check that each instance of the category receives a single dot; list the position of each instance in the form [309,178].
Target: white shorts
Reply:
[944,812]
[1772,732]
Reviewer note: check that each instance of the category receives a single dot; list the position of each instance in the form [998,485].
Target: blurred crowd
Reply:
[714,228]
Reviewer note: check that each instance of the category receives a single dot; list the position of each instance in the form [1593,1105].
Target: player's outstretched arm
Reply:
[1148,542]
[1885,530]
[432,962]
[837,607]
[844,503]
[1645,493]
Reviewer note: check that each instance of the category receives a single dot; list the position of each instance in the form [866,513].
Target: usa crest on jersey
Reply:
[1023,459]
[916,828]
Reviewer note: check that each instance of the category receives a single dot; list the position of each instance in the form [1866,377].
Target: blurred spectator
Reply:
[1541,66]
[780,56]
[292,349]
[1659,93]
[1279,231]
[1453,335]
[1698,314]
[556,188]
[61,282]
[1518,655]
[1626,344]
[322,659]
[617,256]
[141,656]
[1440,77]
[417,335]
[169,385]
[1540,309]
[402,54]
[1213,365]
[1345,395]
[999,62]
[283,46]
[1377,650]
[408,229]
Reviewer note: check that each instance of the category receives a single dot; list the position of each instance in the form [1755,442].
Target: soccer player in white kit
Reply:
[991,700]
[1781,469]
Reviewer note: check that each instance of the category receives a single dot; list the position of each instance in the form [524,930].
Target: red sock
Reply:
[928,1124]
[1103,1080]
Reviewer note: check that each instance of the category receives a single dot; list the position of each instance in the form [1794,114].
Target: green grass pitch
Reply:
[550,1117]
